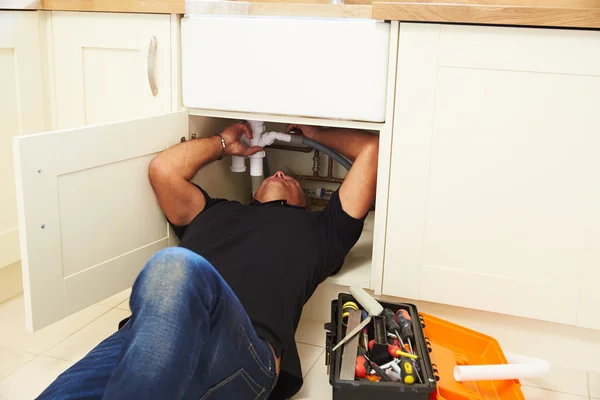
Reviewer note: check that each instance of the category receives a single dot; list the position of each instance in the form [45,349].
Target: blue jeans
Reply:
[188,338]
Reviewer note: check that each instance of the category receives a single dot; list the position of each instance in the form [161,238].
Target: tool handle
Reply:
[405,325]
[390,320]
[407,371]
[371,305]
[395,351]
[360,370]
[404,313]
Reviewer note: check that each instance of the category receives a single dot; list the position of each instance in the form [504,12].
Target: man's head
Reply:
[281,187]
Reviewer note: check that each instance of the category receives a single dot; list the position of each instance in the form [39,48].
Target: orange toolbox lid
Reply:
[453,345]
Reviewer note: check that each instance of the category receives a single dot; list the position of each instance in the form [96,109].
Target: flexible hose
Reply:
[336,156]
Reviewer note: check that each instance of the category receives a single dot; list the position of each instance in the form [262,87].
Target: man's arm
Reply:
[171,171]
[362,148]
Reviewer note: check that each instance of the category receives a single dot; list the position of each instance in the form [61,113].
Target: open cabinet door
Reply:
[88,218]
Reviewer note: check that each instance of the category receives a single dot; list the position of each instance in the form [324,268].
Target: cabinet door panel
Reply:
[87,215]
[101,66]
[21,111]
[500,210]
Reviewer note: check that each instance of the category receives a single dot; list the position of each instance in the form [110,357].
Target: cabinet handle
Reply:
[152,66]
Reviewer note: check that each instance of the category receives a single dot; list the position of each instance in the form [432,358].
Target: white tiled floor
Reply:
[29,362]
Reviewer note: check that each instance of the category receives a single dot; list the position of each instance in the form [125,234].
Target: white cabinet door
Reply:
[105,67]
[495,175]
[88,218]
[21,111]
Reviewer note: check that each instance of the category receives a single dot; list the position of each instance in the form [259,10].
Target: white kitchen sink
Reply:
[324,68]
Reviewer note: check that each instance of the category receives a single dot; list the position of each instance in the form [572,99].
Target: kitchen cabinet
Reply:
[494,182]
[111,67]
[22,111]
[88,216]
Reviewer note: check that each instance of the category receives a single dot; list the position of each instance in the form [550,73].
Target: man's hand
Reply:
[309,131]
[233,140]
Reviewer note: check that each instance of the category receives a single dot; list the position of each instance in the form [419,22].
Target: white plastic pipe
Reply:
[256,160]
[518,367]
[256,166]
[269,138]
[262,139]
[238,164]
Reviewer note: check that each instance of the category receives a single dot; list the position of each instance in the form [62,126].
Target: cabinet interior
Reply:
[218,180]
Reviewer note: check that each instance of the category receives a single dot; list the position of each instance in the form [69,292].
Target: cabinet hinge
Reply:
[192,137]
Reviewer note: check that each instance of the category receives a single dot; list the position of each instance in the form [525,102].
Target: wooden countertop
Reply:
[304,8]
[548,13]
[280,8]
[133,6]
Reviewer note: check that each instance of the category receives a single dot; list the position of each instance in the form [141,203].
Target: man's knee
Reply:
[172,272]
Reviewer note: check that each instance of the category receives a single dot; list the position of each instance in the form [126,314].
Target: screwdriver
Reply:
[394,351]
[404,321]
[416,368]
[360,369]
[391,324]
[407,371]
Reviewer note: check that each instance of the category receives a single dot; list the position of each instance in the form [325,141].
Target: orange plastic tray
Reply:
[453,345]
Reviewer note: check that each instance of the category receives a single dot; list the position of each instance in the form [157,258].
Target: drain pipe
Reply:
[238,164]
[263,139]
[256,160]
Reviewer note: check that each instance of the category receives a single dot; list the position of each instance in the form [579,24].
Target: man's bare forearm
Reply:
[348,142]
[185,159]
[171,171]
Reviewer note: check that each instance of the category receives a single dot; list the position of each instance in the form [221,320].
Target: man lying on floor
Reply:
[215,318]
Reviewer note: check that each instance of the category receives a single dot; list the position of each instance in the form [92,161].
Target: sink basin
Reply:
[324,68]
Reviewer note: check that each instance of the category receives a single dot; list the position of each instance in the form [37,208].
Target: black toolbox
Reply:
[364,389]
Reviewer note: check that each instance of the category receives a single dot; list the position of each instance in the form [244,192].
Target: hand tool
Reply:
[365,331]
[374,366]
[389,365]
[393,365]
[349,305]
[372,307]
[360,368]
[379,349]
[394,351]
[347,367]
[396,368]
[416,368]
[393,375]
[407,371]
[390,322]
[404,320]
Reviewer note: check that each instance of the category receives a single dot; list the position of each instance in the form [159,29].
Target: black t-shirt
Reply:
[273,256]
